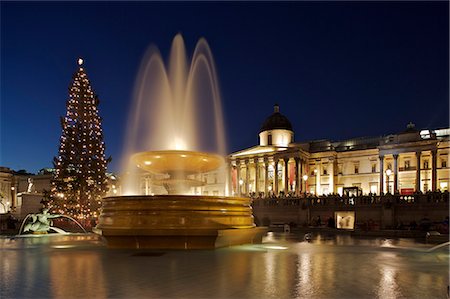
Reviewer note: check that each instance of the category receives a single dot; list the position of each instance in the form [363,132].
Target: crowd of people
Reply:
[336,199]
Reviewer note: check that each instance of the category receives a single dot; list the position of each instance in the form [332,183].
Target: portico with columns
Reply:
[408,169]
[267,175]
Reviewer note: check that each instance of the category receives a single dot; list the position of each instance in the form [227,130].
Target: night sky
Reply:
[337,69]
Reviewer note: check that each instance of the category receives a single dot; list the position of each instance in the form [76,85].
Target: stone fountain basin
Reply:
[177,222]
[177,161]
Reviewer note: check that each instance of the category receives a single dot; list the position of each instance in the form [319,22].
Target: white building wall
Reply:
[279,137]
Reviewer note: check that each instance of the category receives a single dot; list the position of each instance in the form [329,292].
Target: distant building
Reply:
[20,187]
[7,186]
[22,192]
[407,162]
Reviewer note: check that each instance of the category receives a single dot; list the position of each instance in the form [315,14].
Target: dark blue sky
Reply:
[337,69]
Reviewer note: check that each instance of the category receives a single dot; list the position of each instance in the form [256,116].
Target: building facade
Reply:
[22,192]
[407,162]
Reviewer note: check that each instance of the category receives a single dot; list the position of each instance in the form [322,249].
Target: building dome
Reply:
[276,121]
[276,130]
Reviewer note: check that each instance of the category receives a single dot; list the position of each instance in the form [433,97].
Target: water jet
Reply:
[166,141]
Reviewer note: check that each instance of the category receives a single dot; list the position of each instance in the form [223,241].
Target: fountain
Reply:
[175,125]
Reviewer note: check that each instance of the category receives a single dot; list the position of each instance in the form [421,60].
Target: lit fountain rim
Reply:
[177,222]
[173,161]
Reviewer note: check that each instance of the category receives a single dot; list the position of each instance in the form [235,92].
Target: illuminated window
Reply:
[373,188]
[443,186]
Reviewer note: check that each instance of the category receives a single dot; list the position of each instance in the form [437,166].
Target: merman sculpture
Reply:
[41,223]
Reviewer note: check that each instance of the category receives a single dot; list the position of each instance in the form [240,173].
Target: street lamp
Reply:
[388,173]
[13,196]
[305,178]
[241,182]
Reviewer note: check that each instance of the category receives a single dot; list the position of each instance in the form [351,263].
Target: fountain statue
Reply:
[42,223]
[175,135]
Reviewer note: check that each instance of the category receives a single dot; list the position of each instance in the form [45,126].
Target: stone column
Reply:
[247,177]
[331,174]
[238,177]
[381,187]
[286,175]
[418,171]
[275,177]
[433,170]
[395,173]
[318,188]
[256,176]
[266,176]
[302,170]
[229,179]
[298,174]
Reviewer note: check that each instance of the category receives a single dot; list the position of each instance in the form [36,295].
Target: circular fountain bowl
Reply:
[177,161]
[177,222]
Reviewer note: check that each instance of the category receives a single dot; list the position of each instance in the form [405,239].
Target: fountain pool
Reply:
[283,266]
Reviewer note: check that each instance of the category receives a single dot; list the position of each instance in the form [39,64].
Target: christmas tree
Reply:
[80,178]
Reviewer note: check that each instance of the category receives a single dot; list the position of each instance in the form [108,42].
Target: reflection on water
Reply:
[304,286]
[387,287]
[282,267]
[84,268]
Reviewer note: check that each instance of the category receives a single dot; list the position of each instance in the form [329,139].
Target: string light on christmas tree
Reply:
[75,170]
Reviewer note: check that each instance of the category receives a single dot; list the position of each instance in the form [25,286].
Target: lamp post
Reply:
[388,174]
[315,183]
[305,178]
[13,202]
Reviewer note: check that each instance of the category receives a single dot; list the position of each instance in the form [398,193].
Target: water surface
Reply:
[284,266]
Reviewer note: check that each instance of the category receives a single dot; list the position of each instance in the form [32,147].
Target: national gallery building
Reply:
[407,162]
